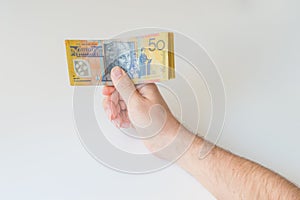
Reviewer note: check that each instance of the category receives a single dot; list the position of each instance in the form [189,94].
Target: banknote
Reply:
[148,58]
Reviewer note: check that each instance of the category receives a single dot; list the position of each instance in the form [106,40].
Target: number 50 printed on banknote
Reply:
[148,58]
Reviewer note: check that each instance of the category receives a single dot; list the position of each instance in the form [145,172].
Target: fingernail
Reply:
[116,73]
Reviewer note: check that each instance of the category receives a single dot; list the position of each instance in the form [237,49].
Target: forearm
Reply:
[228,176]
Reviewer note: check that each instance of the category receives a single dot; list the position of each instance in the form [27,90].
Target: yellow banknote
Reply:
[148,58]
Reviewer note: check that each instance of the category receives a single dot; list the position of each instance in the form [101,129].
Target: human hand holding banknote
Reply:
[141,107]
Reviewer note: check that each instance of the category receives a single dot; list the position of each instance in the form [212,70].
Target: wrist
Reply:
[165,135]
[171,126]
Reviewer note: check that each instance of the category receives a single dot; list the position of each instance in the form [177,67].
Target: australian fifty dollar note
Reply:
[145,59]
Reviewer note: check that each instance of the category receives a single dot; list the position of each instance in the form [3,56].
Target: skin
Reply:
[225,175]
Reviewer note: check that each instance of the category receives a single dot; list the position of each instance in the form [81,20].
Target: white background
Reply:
[255,44]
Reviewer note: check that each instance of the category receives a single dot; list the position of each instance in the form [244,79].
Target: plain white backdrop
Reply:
[255,44]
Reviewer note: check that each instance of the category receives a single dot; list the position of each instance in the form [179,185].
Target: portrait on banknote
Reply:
[120,54]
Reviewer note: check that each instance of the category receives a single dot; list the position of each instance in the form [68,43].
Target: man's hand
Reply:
[141,107]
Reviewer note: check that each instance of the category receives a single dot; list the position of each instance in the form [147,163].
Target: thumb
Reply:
[123,84]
